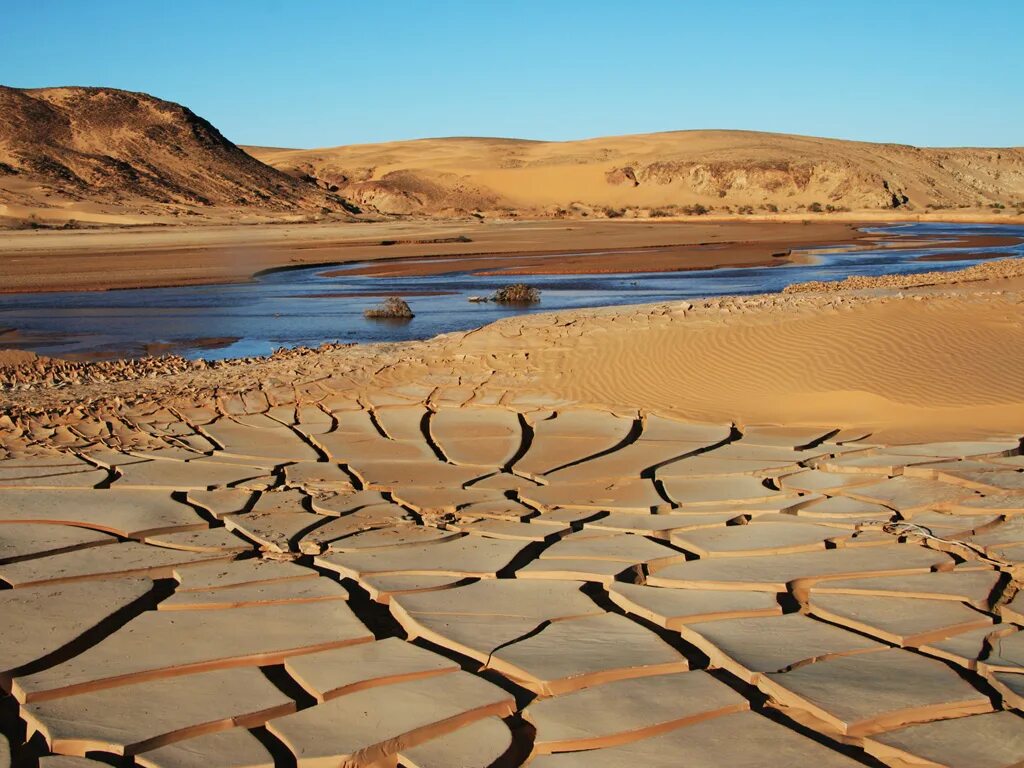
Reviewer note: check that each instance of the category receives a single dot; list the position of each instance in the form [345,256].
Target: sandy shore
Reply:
[763,251]
[52,260]
[102,259]
[913,356]
[785,524]
[135,258]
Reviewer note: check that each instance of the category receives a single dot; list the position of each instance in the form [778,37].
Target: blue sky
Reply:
[307,74]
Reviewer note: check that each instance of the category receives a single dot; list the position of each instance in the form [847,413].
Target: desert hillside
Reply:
[100,155]
[95,151]
[738,172]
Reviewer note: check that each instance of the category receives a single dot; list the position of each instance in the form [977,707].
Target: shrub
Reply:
[517,293]
[659,213]
[393,307]
[32,222]
[771,208]
[814,207]
[614,213]
[745,210]
[695,210]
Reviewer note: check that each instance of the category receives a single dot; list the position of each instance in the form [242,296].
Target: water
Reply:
[295,307]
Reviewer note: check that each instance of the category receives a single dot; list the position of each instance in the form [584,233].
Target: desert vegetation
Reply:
[516,293]
[392,308]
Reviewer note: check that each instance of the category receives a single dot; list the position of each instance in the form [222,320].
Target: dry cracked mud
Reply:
[428,577]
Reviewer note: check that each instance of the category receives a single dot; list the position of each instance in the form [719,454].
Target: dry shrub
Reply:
[393,307]
[517,293]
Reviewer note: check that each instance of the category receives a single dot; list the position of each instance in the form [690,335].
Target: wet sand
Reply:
[178,256]
[135,258]
[681,258]
[730,254]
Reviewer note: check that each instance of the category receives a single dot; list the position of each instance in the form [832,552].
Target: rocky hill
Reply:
[90,151]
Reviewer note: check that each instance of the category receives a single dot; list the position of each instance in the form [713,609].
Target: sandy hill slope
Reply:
[88,151]
[725,171]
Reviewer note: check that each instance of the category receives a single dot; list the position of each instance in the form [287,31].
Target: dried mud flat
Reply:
[640,536]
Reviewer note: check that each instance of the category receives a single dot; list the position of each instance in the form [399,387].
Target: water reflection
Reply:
[306,307]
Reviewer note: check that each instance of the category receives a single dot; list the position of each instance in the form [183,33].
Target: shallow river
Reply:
[301,306]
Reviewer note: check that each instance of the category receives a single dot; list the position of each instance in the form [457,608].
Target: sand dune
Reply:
[881,364]
[938,362]
[728,172]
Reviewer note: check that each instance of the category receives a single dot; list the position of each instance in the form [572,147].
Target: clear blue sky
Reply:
[320,73]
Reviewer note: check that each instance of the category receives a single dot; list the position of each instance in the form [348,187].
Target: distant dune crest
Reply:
[686,172]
